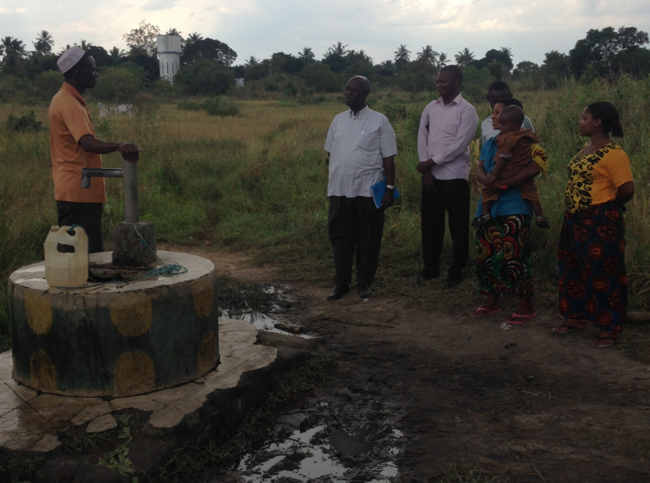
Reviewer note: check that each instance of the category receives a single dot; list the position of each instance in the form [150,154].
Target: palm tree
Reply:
[402,57]
[252,61]
[428,55]
[116,53]
[307,55]
[442,60]
[339,48]
[44,42]
[464,57]
[85,45]
[13,47]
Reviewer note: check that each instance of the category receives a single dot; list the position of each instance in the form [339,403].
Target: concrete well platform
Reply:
[117,338]
[30,421]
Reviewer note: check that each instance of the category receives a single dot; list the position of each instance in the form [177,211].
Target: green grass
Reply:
[258,181]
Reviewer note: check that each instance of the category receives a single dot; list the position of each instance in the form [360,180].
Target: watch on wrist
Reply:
[390,187]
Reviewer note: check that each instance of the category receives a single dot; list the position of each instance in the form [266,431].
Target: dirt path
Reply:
[520,403]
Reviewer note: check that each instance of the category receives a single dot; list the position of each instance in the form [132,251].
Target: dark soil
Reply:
[469,401]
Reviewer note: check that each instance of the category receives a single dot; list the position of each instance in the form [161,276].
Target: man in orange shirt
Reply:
[73,146]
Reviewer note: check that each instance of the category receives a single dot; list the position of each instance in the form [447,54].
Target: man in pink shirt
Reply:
[447,127]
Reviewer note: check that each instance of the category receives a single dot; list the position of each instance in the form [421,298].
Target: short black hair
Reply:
[75,68]
[499,86]
[513,114]
[608,115]
[511,101]
[453,70]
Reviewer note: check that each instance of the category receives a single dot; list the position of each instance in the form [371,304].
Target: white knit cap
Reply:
[69,59]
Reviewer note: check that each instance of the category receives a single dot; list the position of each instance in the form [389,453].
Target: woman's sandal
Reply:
[566,328]
[542,222]
[605,340]
[520,319]
[483,312]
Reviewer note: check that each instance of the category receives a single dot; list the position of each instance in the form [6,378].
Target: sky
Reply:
[261,27]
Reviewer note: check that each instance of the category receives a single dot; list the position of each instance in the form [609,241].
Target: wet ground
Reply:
[420,396]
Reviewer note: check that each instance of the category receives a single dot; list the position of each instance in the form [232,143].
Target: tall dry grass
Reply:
[258,181]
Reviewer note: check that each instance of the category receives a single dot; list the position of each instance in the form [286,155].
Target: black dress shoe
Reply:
[426,275]
[339,291]
[451,282]
[365,291]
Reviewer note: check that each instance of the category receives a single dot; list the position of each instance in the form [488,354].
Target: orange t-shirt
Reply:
[69,122]
[594,178]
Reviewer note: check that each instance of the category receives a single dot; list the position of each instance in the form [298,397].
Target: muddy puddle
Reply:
[339,435]
[262,306]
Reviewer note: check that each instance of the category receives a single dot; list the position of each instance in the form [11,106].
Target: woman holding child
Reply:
[503,263]
[592,277]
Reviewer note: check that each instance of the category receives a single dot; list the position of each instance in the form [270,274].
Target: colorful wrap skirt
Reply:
[503,262]
[591,262]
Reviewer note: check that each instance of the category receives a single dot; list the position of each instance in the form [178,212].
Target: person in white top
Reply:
[361,146]
[498,91]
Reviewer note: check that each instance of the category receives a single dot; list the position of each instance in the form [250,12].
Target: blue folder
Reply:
[378,191]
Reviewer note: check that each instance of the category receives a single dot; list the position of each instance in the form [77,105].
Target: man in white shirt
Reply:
[447,127]
[362,147]
[498,91]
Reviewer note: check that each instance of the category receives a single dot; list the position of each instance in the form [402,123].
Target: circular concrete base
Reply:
[114,339]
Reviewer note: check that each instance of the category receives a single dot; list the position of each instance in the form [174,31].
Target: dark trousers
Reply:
[355,224]
[448,197]
[88,216]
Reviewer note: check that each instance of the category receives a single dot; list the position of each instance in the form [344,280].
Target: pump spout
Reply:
[88,173]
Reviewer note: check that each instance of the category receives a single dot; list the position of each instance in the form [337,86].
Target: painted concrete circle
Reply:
[115,339]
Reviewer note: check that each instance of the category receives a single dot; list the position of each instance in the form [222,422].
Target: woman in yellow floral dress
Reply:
[592,277]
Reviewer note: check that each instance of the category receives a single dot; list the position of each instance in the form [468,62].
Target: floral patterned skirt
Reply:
[591,261]
[503,263]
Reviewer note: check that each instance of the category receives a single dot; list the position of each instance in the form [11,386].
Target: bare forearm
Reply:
[529,172]
[625,192]
[94,145]
[389,170]
[128,151]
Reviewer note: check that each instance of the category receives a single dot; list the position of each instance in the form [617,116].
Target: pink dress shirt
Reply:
[444,136]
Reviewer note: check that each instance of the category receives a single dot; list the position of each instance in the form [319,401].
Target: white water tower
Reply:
[169,56]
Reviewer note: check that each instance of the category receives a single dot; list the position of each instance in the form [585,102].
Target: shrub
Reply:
[205,77]
[26,123]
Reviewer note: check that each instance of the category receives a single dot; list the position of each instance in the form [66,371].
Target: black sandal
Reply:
[542,222]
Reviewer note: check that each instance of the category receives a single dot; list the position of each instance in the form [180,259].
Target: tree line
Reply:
[208,66]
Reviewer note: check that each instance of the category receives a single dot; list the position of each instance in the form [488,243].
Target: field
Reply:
[258,182]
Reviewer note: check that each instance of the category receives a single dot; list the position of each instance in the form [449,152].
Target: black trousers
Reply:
[88,216]
[355,224]
[449,197]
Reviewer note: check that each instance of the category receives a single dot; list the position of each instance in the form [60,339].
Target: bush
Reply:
[320,78]
[117,84]
[205,77]
[26,123]
[46,84]
[217,107]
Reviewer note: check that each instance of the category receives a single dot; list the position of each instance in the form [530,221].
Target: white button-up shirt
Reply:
[357,145]
[444,136]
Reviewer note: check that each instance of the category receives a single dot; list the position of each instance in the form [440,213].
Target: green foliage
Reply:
[48,83]
[476,82]
[25,123]
[215,106]
[117,84]
[319,77]
[205,77]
